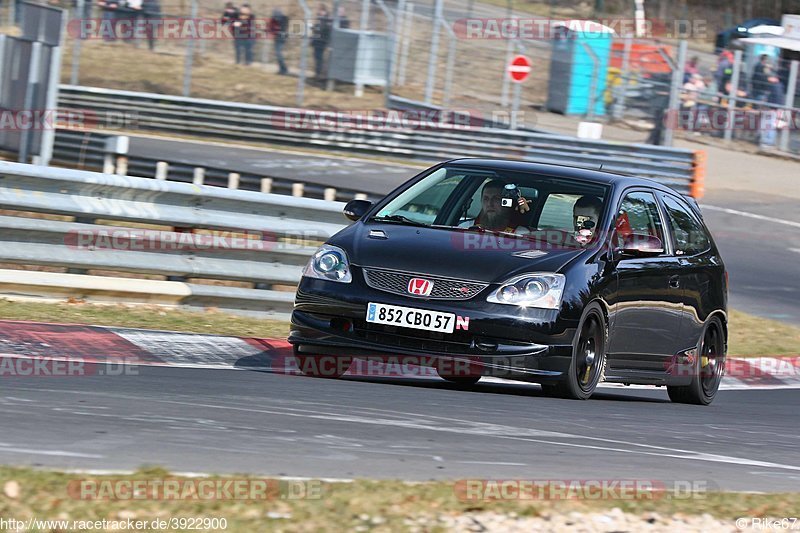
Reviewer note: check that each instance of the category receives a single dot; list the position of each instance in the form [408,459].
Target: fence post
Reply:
[399,21]
[733,94]
[301,79]
[122,165]
[674,94]
[233,180]
[31,88]
[76,49]
[451,62]
[407,25]
[48,139]
[187,65]
[791,87]
[329,194]
[198,175]
[626,72]
[266,185]
[162,168]
[297,189]
[391,22]
[434,54]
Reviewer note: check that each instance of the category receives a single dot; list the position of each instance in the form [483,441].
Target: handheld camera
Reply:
[510,195]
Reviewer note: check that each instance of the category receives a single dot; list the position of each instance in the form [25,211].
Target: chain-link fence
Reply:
[437,61]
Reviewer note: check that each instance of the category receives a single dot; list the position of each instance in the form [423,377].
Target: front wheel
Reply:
[708,369]
[588,359]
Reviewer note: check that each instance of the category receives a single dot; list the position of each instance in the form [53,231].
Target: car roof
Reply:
[563,171]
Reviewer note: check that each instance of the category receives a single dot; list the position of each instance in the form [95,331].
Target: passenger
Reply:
[586,214]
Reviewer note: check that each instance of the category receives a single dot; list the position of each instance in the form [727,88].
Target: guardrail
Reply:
[679,168]
[202,233]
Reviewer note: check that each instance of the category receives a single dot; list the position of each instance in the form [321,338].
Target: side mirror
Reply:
[640,245]
[355,209]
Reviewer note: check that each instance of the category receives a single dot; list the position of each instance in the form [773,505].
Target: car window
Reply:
[638,213]
[423,201]
[689,234]
[557,212]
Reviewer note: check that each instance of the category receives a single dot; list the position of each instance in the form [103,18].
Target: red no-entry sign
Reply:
[519,69]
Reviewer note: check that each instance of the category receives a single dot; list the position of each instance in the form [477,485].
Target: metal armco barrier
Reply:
[262,239]
[679,168]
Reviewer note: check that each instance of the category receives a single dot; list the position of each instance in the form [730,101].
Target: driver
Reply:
[493,216]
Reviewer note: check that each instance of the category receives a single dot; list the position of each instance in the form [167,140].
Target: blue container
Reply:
[572,68]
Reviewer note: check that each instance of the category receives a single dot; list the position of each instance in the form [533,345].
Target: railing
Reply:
[191,233]
[679,168]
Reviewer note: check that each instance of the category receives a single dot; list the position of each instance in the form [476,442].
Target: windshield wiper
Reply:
[399,219]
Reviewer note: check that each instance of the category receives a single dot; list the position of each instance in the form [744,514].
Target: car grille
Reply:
[443,288]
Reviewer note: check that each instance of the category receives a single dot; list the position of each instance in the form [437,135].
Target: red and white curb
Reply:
[100,344]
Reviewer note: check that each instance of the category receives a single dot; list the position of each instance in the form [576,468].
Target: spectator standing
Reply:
[692,68]
[278,28]
[759,80]
[724,69]
[243,28]
[321,37]
[344,22]
[770,117]
[230,15]
[110,15]
[147,11]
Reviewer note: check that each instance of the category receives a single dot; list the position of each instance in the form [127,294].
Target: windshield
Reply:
[524,204]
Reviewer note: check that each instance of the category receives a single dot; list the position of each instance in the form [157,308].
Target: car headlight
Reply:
[542,291]
[329,262]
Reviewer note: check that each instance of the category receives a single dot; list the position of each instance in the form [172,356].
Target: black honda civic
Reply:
[551,274]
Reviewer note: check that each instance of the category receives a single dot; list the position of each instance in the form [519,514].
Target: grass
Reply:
[361,505]
[146,317]
[750,336]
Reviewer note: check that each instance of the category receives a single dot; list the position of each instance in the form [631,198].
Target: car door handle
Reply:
[674,282]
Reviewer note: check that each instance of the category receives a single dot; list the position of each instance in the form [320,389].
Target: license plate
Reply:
[408,317]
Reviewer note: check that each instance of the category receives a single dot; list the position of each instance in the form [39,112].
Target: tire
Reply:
[323,366]
[709,367]
[588,364]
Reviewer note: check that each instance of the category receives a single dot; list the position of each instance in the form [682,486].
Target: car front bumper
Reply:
[329,319]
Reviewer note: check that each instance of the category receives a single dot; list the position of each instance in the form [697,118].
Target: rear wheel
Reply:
[709,366]
[588,359]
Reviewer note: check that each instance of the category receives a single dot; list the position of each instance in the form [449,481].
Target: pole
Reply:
[399,22]
[387,88]
[401,67]
[189,60]
[515,105]
[51,100]
[791,87]
[432,59]
[301,79]
[732,94]
[675,93]
[509,54]
[30,98]
[76,49]
[364,25]
[451,63]
[626,72]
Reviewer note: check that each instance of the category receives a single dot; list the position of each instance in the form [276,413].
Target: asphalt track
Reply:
[228,421]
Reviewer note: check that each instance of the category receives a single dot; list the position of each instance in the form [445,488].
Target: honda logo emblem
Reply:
[420,286]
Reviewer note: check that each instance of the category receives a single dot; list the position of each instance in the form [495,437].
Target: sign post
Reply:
[518,70]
